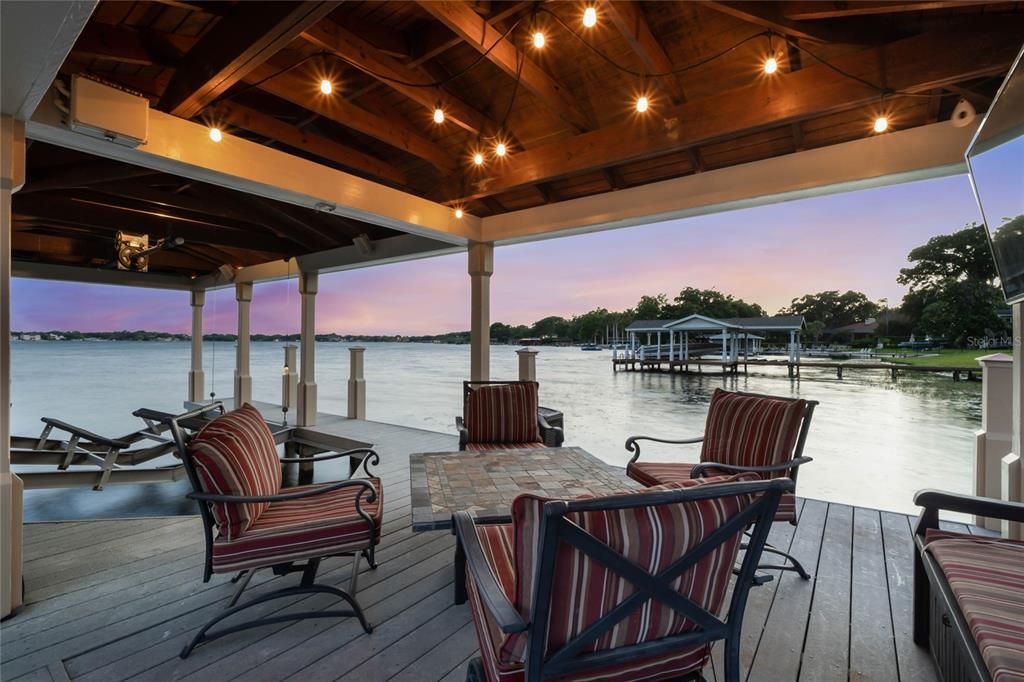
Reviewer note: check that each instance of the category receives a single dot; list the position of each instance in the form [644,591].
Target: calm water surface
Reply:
[874,441]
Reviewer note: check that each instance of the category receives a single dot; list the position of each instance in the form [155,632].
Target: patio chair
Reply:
[250,523]
[504,415]
[623,587]
[743,432]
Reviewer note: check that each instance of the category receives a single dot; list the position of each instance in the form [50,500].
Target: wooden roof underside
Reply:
[253,69]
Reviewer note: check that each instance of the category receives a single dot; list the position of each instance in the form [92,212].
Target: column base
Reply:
[357,398]
[306,413]
[11,499]
[243,390]
[196,385]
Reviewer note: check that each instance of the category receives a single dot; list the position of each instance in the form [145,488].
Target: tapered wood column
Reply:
[527,364]
[12,177]
[196,376]
[356,384]
[243,377]
[308,285]
[481,267]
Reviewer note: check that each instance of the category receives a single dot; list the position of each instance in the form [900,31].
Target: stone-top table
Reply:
[485,483]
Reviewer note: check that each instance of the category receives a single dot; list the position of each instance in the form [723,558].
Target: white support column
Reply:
[356,383]
[1012,474]
[243,376]
[725,337]
[796,346]
[12,177]
[686,346]
[308,285]
[659,346]
[196,376]
[289,381]
[792,346]
[671,345]
[527,364]
[481,267]
[995,438]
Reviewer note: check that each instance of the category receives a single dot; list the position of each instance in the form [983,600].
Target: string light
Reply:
[326,87]
[538,39]
[881,124]
[771,65]
[215,134]
[590,17]
[438,115]
[642,103]
[500,149]
[458,213]
[478,159]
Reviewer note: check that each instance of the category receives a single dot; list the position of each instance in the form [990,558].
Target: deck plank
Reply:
[872,650]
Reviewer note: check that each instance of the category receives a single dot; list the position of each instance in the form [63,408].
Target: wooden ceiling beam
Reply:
[239,43]
[915,64]
[768,15]
[473,29]
[304,93]
[238,116]
[128,45]
[347,43]
[814,9]
[628,18]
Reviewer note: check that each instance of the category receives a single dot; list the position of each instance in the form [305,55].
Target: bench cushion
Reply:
[986,576]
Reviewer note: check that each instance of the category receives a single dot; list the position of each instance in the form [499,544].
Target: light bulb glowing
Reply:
[438,115]
[538,39]
[590,17]
[215,134]
[458,213]
[642,103]
[771,65]
[326,86]
[881,124]
[500,149]
[478,159]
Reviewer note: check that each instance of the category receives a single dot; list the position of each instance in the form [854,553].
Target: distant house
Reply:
[868,329]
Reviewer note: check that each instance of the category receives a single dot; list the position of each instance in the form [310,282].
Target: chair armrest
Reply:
[933,501]
[553,436]
[634,447]
[331,455]
[492,596]
[83,433]
[460,424]
[282,497]
[698,469]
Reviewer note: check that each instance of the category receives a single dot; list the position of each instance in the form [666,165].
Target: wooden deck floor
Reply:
[116,599]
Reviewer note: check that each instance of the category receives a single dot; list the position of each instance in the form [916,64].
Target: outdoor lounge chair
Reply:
[747,432]
[235,472]
[969,591]
[504,415]
[623,587]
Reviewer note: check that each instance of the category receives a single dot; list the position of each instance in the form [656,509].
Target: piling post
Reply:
[527,364]
[356,384]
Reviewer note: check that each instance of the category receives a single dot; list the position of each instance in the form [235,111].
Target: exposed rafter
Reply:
[628,18]
[239,43]
[815,9]
[769,16]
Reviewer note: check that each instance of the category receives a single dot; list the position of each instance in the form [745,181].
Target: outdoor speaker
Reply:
[963,113]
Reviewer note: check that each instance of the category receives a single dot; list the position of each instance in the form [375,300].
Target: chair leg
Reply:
[354,609]
[475,671]
[242,580]
[795,564]
[353,583]
[370,556]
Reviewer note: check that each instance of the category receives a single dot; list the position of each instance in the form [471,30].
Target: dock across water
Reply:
[741,365]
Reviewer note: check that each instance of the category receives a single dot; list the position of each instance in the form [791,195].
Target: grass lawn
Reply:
[950,357]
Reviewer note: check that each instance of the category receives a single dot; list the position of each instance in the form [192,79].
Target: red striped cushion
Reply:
[650,536]
[746,430]
[986,576]
[661,473]
[484,447]
[235,454]
[503,413]
[293,530]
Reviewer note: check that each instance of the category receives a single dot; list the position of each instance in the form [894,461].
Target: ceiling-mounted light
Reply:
[216,135]
[478,159]
[642,103]
[881,124]
[538,39]
[438,115]
[590,17]
[500,149]
[458,213]
[771,65]
[326,87]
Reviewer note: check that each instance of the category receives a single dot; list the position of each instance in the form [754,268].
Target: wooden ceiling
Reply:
[566,111]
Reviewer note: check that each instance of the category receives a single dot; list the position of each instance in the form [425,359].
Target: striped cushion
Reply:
[503,413]
[293,530]
[484,447]
[746,430]
[650,536]
[986,576]
[235,454]
[660,473]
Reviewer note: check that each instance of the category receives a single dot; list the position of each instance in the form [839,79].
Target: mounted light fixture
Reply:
[459,213]
[478,159]
[771,65]
[216,135]
[500,149]
[326,87]
[438,115]
[590,17]
[538,39]
[881,124]
[642,103]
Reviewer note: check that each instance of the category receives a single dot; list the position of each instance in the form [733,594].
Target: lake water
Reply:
[874,441]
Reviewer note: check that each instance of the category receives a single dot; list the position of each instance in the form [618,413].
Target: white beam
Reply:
[917,154]
[185,149]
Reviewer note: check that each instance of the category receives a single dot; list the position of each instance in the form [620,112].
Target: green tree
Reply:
[650,307]
[832,308]
[711,303]
[551,326]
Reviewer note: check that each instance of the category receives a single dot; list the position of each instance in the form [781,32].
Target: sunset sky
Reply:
[767,255]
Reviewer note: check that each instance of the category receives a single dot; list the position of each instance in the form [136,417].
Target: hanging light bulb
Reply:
[438,115]
[458,213]
[538,39]
[881,124]
[642,103]
[215,134]
[590,17]
[771,65]
[500,149]
[326,87]
[478,159]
